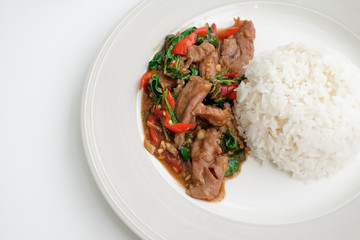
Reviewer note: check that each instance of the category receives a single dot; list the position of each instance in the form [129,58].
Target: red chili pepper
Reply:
[145,78]
[158,112]
[232,95]
[177,127]
[214,28]
[225,33]
[181,46]
[153,134]
[172,162]
[171,100]
[201,31]
[226,89]
[231,75]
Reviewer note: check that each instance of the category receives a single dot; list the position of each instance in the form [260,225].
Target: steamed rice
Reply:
[300,109]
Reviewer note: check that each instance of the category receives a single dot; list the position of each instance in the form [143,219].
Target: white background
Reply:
[46,188]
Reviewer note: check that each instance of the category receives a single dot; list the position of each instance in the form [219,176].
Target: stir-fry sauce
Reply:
[188,94]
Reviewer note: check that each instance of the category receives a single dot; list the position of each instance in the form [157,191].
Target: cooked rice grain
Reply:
[300,109]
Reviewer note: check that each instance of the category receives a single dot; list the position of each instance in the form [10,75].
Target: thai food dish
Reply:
[207,103]
[187,105]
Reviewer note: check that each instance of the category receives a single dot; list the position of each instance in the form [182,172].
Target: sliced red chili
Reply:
[225,33]
[231,75]
[201,31]
[173,162]
[227,89]
[145,78]
[154,134]
[170,100]
[232,95]
[177,127]
[181,46]
[159,113]
[214,28]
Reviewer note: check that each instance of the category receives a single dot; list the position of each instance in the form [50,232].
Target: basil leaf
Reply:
[209,37]
[185,153]
[233,165]
[156,87]
[229,142]
[171,112]
[194,71]
[168,55]
[157,60]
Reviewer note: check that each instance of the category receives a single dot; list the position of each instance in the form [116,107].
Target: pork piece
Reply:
[235,57]
[198,53]
[207,67]
[229,47]
[165,81]
[193,93]
[208,167]
[216,116]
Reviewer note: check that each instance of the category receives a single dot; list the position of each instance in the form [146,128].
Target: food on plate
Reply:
[187,105]
[300,109]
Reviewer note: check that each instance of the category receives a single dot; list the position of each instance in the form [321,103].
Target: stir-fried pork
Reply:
[207,67]
[193,93]
[216,116]
[198,53]
[233,59]
[208,167]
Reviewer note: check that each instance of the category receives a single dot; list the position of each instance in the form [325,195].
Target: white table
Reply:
[46,188]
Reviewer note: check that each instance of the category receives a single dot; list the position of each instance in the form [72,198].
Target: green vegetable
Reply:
[169,55]
[177,74]
[210,37]
[185,153]
[170,110]
[229,142]
[194,71]
[157,60]
[156,87]
[221,79]
[233,165]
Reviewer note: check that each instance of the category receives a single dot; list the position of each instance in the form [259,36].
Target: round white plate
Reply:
[262,202]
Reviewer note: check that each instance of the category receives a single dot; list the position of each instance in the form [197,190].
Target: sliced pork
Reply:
[198,53]
[235,57]
[207,67]
[216,116]
[193,93]
[208,167]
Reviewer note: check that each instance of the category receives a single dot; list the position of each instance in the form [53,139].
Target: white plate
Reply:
[262,202]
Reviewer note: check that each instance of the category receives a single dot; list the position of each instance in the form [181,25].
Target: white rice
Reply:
[300,109]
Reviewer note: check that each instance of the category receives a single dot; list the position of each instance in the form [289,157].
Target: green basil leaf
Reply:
[194,71]
[209,37]
[171,112]
[168,55]
[185,153]
[229,142]
[233,165]
[156,87]
[157,60]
